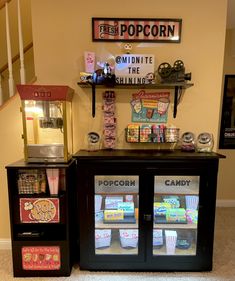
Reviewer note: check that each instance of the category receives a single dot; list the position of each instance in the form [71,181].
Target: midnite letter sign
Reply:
[144,30]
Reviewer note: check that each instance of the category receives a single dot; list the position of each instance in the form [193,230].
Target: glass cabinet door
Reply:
[116,213]
[175,210]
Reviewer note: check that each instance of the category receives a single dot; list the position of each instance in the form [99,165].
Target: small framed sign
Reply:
[227,126]
[136,29]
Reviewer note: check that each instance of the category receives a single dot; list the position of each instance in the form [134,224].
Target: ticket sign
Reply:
[134,69]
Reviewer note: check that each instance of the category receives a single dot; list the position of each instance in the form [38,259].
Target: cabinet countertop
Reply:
[145,154]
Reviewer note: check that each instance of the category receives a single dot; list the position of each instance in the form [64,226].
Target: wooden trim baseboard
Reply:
[5,244]
[225,203]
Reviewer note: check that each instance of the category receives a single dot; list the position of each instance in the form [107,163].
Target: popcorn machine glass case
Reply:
[47,123]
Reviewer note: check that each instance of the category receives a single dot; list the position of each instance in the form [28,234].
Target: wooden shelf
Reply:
[183,85]
[178,87]
[175,226]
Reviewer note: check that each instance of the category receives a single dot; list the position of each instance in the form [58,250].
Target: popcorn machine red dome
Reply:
[47,122]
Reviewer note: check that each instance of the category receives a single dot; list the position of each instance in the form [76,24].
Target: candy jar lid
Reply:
[188,137]
[204,138]
[205,142]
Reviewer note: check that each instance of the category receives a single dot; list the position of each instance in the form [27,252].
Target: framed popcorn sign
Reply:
[137,29]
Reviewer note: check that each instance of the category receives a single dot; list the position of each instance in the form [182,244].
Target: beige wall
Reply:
[62,32]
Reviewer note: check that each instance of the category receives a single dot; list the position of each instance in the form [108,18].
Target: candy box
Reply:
[111,202]
[160,208]
[192,216]
[176,215]
[102,238]
[132,133]
[127,207]
[145,133]
[113,215]
[128,238]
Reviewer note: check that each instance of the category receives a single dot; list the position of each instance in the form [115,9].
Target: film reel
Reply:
[164,69]
[178,65]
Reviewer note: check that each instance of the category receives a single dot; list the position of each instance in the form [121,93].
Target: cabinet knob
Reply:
[147,217]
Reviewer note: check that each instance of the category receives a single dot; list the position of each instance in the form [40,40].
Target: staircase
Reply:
[16,47]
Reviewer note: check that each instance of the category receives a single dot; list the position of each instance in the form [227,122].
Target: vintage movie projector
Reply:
[47,122]
[173,74]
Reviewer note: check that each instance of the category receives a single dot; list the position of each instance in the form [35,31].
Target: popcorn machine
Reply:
[47,122]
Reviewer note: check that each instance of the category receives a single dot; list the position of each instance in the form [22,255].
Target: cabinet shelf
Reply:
[116,225]
[178,252]
[174,226]
[178,87]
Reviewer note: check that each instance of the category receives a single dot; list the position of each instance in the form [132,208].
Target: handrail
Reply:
[3,2]
[15,58]
[32,81]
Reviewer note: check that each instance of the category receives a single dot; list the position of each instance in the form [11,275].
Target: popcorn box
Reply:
[129,238]
[98,202]
[102,238]
[191,202]
[171,237]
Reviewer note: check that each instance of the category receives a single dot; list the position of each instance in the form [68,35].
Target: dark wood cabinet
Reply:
[146,209]
[42,220]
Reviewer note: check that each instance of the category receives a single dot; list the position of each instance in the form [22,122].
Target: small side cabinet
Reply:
[42,205]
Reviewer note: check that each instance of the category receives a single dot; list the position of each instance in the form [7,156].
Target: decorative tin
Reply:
[41,258]
[39,210]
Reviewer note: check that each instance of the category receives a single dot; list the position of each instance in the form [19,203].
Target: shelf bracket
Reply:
[93,99]
[177,89]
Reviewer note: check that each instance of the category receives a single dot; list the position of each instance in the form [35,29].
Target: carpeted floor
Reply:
[223,269]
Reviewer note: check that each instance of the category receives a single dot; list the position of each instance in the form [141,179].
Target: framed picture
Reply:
[136,29]
[227,125]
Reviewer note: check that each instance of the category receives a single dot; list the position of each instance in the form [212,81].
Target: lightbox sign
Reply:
[136,29]
[134,69]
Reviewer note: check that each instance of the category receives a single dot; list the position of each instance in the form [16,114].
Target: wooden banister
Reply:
[3,2]
[15,58]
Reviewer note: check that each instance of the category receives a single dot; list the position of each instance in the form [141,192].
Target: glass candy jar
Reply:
[205,142]
[188,141]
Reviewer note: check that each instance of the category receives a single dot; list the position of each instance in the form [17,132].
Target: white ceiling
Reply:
[230,14]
